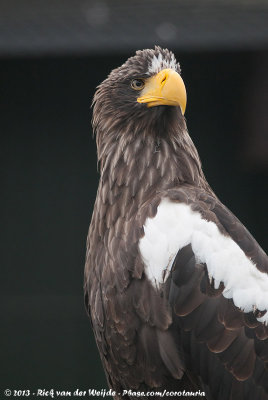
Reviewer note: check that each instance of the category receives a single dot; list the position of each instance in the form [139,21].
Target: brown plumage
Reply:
[184,333]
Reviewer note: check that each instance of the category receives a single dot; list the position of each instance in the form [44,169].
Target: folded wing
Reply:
[215,277]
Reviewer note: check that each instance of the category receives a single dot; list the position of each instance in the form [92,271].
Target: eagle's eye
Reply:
[137,84]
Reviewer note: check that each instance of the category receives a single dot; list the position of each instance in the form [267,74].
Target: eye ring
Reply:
[137,84]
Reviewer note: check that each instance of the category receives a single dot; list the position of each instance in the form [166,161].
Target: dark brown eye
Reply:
[137,84]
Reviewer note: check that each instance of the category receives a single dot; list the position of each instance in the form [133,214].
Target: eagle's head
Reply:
[145,94]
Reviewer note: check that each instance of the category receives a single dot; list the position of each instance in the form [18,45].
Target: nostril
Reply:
[164,79]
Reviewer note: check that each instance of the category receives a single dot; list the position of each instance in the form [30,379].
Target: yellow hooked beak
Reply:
[165,88]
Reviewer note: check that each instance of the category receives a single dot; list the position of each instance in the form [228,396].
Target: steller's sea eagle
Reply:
[175,286]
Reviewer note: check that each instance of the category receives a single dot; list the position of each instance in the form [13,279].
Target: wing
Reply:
[215,277]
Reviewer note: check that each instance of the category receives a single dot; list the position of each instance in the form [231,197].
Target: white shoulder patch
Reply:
[159,63]
[175,226]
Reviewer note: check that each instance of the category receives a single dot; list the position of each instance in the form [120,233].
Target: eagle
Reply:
[175,286]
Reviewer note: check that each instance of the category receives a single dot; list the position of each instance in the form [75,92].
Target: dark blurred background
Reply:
[52,56]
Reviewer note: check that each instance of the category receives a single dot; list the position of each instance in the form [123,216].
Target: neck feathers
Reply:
[143,159]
